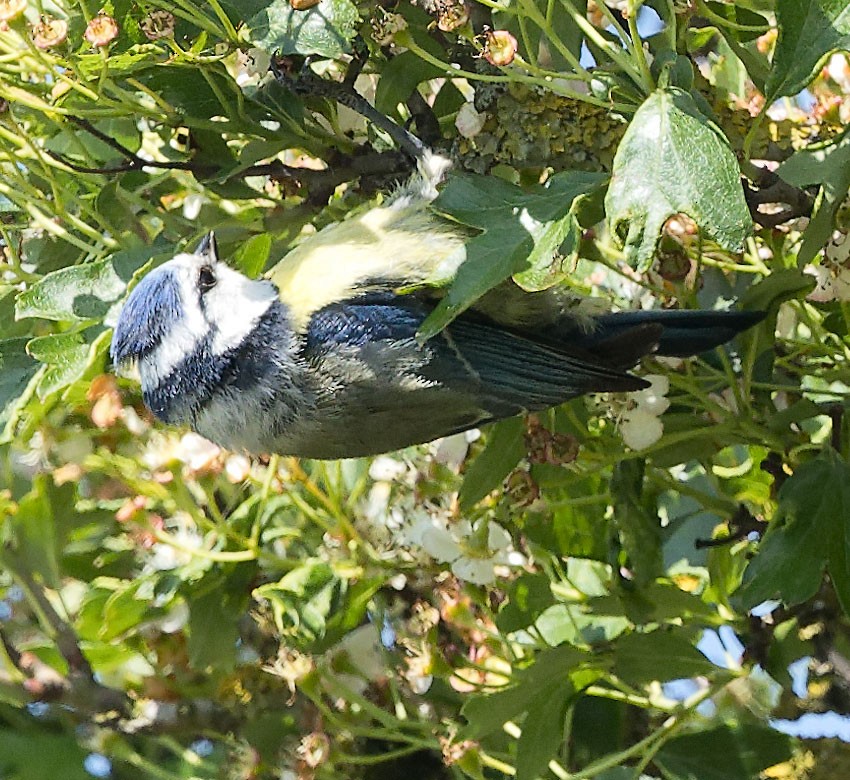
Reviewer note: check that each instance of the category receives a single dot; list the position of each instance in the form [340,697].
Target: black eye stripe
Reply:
[206,278]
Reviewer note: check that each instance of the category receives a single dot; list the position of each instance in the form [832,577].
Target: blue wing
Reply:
[378,389]
[497,371]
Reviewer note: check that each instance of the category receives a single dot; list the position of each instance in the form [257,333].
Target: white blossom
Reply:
[469,122]
[639,424]
[460,545]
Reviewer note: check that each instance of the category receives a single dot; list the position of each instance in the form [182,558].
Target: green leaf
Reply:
[326,29]
[17,372]
[532,42]
[110,608]
[36,544]
[542,731]
[28,755]
[399,78]
[738,16]
[303,599]
[552,667]
[195,92]
[68,355]
[578,625]
[673,160]
[809,533]
[724,753]
[637,520]
[252,256]
[808,31]
[658,656]
[214,615]
[527,596]
[521,231]
[505,447]
[782,285]
[84,292]
[826,164]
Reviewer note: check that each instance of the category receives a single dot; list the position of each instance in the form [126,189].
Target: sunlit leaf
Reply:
[673,160]
[325,29]
[808,31]
[521,232]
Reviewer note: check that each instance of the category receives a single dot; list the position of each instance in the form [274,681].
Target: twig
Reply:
[377,165]
[741,525]
[12,652]
[66,639]
[305,82]
[768,187]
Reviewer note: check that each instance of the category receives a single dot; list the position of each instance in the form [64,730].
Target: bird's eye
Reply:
[206,278]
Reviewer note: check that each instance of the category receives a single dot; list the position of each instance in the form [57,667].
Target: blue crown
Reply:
[148,315]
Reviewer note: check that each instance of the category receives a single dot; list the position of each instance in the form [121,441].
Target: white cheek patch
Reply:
[231,308]
[235,305]
[186,332]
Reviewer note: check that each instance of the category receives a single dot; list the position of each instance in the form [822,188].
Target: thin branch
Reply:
[11,651]
[741,525]
[66,639]
[377,165]
[768,188]
[305,82]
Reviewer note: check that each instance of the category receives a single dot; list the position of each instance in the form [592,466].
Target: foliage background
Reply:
[528,603]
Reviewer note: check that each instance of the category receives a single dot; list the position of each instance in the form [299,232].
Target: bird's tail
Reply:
[625,337]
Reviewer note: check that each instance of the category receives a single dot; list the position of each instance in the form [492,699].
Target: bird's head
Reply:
[187,314]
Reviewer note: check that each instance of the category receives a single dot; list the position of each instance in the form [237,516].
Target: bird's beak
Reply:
[207,248]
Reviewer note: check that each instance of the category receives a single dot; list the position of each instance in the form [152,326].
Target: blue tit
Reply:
[320,359]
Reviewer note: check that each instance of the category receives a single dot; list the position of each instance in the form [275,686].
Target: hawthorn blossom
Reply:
[640,425]
[473,555]
[101,30]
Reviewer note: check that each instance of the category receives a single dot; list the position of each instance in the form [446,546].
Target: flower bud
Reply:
[49,32]
[500,48]
[101,30]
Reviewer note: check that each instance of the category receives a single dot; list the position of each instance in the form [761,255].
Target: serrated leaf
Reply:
[216,606]
[724,753]
[521,231]
[505,446]
[326,29]
[826,164]
[808,31]
[83,292]
[527,596]
[67,355]
[576,624]
[17,371]
[489,712]
[542,731]
[809,533]
[303,599]
[657,656]
[673,160]
[636,520]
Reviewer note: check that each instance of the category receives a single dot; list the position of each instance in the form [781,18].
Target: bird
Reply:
[321,358]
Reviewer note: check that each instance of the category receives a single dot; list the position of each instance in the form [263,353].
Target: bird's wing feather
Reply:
[502,372]
[382,249]
[525,374]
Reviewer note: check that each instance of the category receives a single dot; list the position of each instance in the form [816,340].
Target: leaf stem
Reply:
[637,46]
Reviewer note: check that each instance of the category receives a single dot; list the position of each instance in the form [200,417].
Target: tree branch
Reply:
[322,183]
[768,188]
[302,81]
